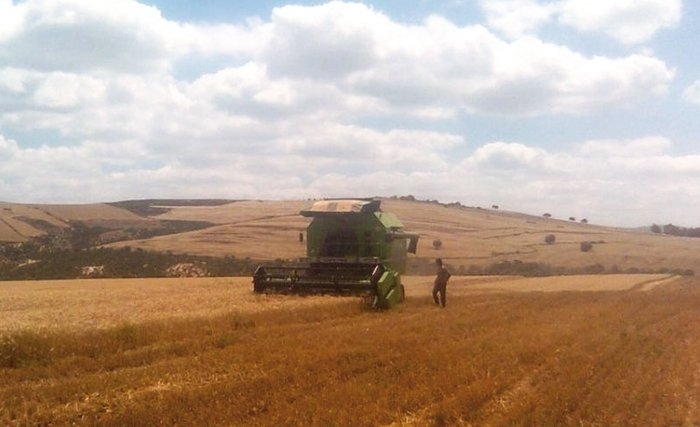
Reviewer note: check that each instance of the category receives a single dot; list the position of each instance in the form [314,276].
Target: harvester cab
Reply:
[352,248]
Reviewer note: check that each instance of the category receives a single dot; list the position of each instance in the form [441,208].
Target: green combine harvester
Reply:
[352,248]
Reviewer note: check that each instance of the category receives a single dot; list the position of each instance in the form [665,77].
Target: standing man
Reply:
[440,285]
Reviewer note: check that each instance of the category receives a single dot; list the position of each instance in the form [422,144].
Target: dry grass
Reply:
[612,282]
[13,227]
[615,357]
[86,212]
[583,350]
[15,230]
[76,305]
[237,212]
[470,236]
[481,237]
[248,229]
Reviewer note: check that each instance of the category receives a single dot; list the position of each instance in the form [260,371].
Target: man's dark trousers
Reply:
[440,288]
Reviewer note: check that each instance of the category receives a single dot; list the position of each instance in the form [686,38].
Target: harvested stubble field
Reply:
[626,351]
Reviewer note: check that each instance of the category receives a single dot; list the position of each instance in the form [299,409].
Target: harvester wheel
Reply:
[370,301]
[259,280]
[258,287]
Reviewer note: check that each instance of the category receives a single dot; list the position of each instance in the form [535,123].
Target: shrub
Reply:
[437,243]
[550,239]
[586,246]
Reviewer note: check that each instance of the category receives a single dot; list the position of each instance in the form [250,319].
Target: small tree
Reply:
[572,218]
[437,243]
[550,239]
[584,221]
[547,215]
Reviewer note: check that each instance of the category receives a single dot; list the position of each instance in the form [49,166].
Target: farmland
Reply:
[619,348]
[472,239]
[579,350]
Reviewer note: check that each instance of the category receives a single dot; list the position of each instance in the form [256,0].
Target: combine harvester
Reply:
[352,248]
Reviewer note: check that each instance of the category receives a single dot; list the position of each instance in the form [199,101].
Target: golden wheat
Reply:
[620,357]
[470,237]
[102,303]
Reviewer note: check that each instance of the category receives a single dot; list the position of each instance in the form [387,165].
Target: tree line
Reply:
[113,263]
[674,230]
[64,255]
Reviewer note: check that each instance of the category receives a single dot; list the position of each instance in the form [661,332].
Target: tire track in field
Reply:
[654,283]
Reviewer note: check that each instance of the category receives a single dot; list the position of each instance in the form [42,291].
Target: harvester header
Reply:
[353,248]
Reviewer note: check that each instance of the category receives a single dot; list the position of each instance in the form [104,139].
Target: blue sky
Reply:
[583,108]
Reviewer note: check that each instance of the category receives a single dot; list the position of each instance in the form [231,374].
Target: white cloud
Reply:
[627,21]
[635,182]
[582,184]
[62,90]
[439,69]
[517,18]
[361,149]
[636,148]
[13,80]
[505,157]
[592,181]
[79,35]
[325,100]
[210,40]
[325,42]
[10,19]
[692,93]
[531,78]
[337,58]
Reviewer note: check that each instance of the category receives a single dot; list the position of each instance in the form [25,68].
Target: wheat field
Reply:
[470,236]
[583,350]
[85,304]
[603,350]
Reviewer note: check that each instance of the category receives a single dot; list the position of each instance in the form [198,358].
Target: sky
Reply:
[576,108]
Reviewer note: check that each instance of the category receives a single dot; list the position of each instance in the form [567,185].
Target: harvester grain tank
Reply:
[352,248]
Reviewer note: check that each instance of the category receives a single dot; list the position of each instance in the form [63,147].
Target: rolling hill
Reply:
[473,239]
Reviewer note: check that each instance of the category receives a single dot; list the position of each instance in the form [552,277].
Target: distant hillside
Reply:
[471,240]
[150,207]
[20,222]
[67,241]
